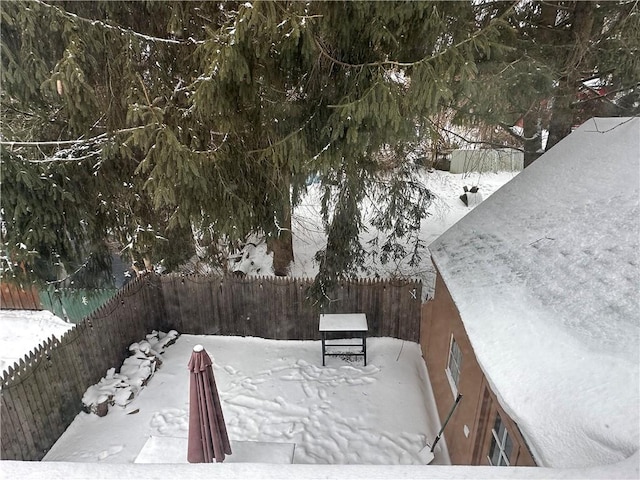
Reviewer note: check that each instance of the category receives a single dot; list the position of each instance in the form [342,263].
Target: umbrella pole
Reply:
[453,407]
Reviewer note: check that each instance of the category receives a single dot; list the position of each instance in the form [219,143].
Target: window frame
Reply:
[454,375]
[500,441]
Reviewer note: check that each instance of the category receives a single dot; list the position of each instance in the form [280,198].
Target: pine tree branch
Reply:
[604,96]
[21,112]
[508,129]
[11,143]
[146,96]
[284,139]
[127,31]
[80,141]
[483,142]
[61,160]
[426,59]
[356,101]
[58,282]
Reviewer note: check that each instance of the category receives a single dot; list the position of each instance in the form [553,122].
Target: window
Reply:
[501,444]
[454,364]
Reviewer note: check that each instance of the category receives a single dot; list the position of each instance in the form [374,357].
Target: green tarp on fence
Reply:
[74,304]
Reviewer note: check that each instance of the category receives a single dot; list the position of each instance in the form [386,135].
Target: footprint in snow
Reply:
[110,451]
[170,421]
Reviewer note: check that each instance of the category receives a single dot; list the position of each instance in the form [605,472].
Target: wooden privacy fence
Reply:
[15,297]
[277,308]
[74,304]
[43,393]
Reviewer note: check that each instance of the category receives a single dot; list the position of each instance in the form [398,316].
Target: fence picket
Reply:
[54,381]
[47,393]
[33,408]
[21,404]
[11,430]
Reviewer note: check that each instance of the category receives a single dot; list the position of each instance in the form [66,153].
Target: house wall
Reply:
[520,456]
[468,433]
[486,160]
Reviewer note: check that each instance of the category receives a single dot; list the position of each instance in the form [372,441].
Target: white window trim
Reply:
[500,444]
[452,383]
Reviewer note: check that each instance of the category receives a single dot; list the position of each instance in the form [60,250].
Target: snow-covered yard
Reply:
[278,391]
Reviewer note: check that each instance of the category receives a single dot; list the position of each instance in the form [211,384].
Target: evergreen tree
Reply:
[73,76]
[569,61]
[166,118]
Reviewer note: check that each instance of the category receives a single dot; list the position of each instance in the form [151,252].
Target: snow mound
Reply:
[136,370]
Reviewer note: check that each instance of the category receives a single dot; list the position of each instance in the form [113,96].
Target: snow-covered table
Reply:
[344,326]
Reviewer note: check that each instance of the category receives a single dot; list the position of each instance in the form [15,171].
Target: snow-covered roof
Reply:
[545,274]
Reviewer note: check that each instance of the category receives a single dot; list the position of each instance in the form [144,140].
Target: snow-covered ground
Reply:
[277,391]
[22,331]
[446,209]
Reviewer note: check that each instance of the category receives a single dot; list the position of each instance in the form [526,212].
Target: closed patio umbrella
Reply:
[208,439]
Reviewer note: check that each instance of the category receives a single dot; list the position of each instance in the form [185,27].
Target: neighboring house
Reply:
[536,314]
[486,160]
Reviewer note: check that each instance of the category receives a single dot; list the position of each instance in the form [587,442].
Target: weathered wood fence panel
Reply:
[73,304]
[18,298]
[278,308]
[42,394]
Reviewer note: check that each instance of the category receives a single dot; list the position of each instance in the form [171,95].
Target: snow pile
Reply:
[253,259]
[135,372]
[471,196]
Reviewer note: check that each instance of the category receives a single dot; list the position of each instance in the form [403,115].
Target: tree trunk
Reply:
[561,116]
[537,116]
[282,248]
[562,112]
[282,244]
[532,132]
